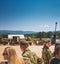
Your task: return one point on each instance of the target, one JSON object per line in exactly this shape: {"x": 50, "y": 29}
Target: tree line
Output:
{"x": 36, "y": 35}
{"x": 43, "y": 34}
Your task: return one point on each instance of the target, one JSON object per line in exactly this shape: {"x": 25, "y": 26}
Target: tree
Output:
{"x": 3, "y": 35}
{"x": 49, "y": 34}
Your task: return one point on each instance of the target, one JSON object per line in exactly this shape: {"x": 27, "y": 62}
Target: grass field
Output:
{"x": 34, "y": 48}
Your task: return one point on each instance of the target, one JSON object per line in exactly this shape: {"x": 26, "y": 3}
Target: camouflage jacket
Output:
{"x": 46, "y": 55}
{"x": 30, "y": 57}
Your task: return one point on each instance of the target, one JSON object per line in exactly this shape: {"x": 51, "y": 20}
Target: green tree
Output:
{"x": 3, "y": 35}
{"x": 49, "y": 34}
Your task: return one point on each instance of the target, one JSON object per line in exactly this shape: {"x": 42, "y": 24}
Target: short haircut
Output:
{"x": 23, "y": 43}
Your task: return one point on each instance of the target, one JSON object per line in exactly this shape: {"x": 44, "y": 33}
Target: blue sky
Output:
{"x": 29, "y": 15}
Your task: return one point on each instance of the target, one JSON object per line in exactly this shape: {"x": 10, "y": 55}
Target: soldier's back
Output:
{"x": 46, "y": 55}
{"x": 30, "y": 57}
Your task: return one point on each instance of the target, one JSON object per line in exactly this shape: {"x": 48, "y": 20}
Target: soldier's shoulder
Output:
{"x": 44, "y": 50}
{"x": 26, "y": 53}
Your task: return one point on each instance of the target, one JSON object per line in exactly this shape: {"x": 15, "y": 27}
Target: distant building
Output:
{"x": 12, "y": 35}
{"x": 15, "y": 37}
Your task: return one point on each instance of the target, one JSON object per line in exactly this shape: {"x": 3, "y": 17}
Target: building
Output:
{"x": 15, "y": 37}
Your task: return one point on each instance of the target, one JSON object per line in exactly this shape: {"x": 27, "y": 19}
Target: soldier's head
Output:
{"x": 23, "y": 45}
{"x": 47, "y": 43}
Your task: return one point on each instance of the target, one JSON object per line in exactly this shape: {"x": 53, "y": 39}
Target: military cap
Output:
{"x": 48, "y": 41}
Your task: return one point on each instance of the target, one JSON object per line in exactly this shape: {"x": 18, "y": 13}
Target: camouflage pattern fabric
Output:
{"x": 46, "y": 55}
{"x": 30, "y": 57}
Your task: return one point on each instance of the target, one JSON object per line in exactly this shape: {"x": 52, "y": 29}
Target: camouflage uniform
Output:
{"x": 30, "y": 57}
{"x": 46, "y": 55}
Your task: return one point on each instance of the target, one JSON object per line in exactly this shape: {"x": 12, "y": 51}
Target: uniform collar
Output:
{"x": 46, "y": 47}
{"x": 25, "y": 51}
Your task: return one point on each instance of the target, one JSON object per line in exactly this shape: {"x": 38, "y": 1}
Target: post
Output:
{"x": 55, "y": 31}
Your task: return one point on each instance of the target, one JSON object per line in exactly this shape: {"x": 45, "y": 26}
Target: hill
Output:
{"x": 16, "y": 32}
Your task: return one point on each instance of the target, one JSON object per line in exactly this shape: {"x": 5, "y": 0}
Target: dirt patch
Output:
{"x": 36, "y": 49}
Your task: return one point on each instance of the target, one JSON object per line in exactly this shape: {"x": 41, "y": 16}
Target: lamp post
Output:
{"x": 55, "y": 31}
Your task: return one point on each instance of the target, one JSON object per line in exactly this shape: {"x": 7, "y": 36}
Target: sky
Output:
{"x": 29, "y": 15}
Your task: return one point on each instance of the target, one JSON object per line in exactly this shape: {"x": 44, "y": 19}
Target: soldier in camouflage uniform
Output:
{"x": 57, "y": 43}
{"x": 46, "y": 53}
{"x": 29, "y": 56}
{"x": 56, "y": 58}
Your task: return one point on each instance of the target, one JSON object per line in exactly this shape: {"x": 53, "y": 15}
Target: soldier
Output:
{"x": 46, "y": 53}
{"x": 28, "y": 56}
{"x": 56, "y": 44}
{"x": 56, "y": 58}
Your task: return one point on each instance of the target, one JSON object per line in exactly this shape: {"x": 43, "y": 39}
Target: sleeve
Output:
{"x": 49, "y": 54}
{"x": 46, "y": 56}
{"x": 26, "y": 58}
{"x": 44, "y": 53}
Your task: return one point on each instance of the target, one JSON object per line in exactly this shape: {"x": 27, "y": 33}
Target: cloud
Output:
{"x": 47, "y": 27}
{"x": 44, "y": 26}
